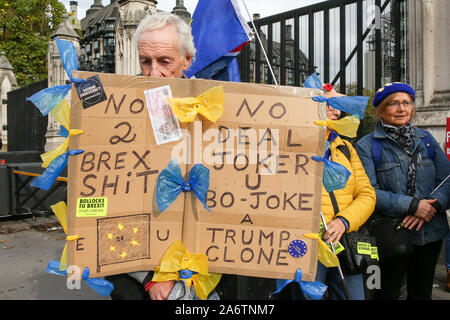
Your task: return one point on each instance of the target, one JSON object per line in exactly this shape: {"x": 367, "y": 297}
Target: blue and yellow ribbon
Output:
{"x": 60, "y": 211}
{"x": 179, "y": 264}
{"x": 62, "y": 114}
{"x": 313, "y": 289}
{"x": 355, "y": 105}
{"x": 46, "y": 179}
{"x": 52, "y": 100}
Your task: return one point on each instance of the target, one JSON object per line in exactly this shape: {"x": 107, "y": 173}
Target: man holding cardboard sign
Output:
{"x": 166, "y": 49}
{"x": 251, "y": 143}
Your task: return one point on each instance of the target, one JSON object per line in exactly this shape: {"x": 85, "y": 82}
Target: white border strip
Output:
{"x": 241, "y": 18}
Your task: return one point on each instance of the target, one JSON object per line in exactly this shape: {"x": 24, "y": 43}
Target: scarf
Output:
{"x": 404, "y": 136}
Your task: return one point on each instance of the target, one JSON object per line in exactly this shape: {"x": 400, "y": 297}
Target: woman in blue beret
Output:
{"x": 405, "y": 164}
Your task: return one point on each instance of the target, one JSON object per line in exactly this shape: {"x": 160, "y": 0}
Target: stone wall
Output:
{"x": 7, "y": 83}
{"x": 130, "y": 14}
{"x": 57, "y": 75}
{"x": 429, "y": 36}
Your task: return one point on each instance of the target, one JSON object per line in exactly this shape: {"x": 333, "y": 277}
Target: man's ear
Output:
{"x": 187, "y": 62}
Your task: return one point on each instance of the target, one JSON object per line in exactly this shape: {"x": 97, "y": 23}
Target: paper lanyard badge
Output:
{"x": 338, "y": 247}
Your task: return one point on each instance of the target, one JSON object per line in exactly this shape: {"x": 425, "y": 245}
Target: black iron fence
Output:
{"x": 26, "y": 125}
{"x": 17, "y": 197}
{"x": 352, "y": 44}
{"x": 22, "y": 163}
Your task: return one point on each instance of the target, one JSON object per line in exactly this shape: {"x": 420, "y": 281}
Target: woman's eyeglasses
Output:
{"x": 329, "y": 108}
{"x": 397, "y": 104}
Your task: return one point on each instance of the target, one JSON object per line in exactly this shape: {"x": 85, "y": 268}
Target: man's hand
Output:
{"x": 425, "y": 211}
{"x": 336, "y": 229}
{"x": 161, "y": 290}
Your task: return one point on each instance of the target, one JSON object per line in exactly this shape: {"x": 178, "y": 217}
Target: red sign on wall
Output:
{"x": 447, "y": 139}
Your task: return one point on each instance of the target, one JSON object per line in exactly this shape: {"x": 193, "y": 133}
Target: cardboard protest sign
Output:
{"x": 264, "y": 191}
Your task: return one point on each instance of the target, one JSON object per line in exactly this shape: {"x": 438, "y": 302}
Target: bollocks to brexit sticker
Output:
{"x": 92, "y": 207}
{"x": 90, "y": 91}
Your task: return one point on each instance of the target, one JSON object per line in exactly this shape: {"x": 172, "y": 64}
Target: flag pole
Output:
{"x": 260, "y": 42}
{"x": 440, "y": 185}
{"x": 343, "y": 282}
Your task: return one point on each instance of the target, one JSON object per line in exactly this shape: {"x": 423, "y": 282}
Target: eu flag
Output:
{"x": 220, "y": 32}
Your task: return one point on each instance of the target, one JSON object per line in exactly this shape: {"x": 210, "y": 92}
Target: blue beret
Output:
{"x": 390, "y": 88}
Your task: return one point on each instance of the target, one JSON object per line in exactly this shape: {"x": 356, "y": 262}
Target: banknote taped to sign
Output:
{"x": 264, "y": 190}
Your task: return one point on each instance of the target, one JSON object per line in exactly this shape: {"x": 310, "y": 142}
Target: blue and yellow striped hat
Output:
{"x": 390, "y": 88}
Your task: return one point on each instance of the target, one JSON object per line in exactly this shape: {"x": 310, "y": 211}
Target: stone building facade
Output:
{"x": 429, "y": 45}
{"x": 108, "y": 43}
{"x": 7, "y": 83}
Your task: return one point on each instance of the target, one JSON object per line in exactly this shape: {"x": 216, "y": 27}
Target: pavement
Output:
{"x": 27, "y": 245}
{"x": 440, "y": 278}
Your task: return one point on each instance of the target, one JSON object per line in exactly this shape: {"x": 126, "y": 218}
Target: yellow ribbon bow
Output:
{"x": 210, "y": 104}
{"x": 178, "y": 261}
{"x": 61, "y": 112}
{"x": 325, "y": 255}
{"x": 60, "y": 211}
{"x": 347, "y": 126}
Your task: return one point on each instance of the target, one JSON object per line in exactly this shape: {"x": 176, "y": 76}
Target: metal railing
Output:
{"x": 347, "y": 42}
{"x": 18, "y": 198}
{"x": 26, "y": 125}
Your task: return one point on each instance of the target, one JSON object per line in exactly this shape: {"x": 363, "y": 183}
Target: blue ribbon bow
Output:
{"x": 63, "y": 132}
{"x": 45, "y": 100}
{"x": 101, "y": 286}
{"x": 54, "y": 169}
{"x": 313, "y": 82}
{"x": 171, "y": 183}
{"x": 355, "y": 105}
{"x": 315, "y": 290}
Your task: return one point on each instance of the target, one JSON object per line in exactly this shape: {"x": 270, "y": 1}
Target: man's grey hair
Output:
{"x": 161, "y": 19}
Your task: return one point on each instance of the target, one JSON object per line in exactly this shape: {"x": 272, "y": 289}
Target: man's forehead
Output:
{"x": 167, "y": 34}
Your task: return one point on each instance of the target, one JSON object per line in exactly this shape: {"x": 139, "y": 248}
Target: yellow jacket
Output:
{"x": 357, "y": 200}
